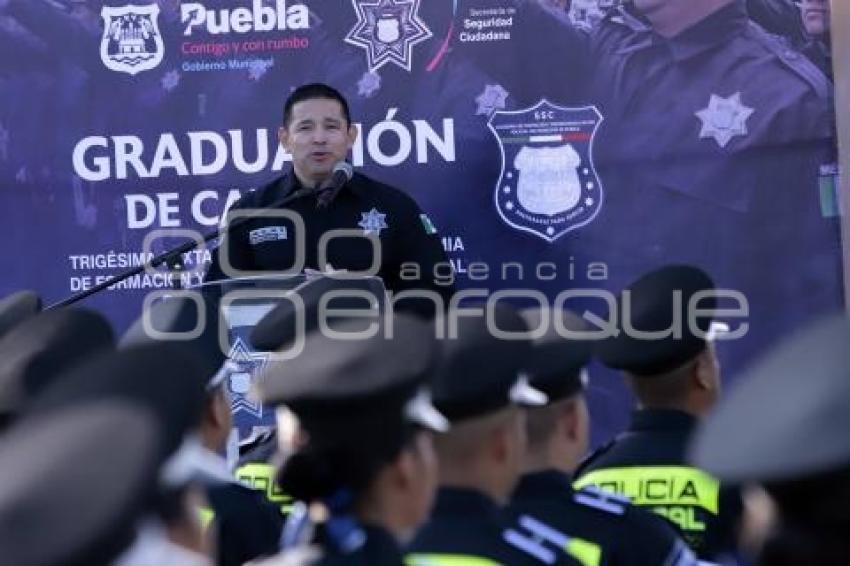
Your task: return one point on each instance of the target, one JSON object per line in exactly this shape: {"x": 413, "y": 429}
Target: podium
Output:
{"x": 242, "y": 304}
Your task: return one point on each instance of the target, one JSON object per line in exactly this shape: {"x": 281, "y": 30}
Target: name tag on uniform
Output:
{"x": 267, "y": 234}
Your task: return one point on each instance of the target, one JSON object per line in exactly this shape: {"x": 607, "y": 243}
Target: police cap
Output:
{"x": 16, "y": 308}
{"x": 45, "y": 346}
{"x": 189, "y": 317}
{"x": 559, "y": 357}
{"x": 75, "y": 482}
{"x": 789, "y": 414}
{"x": 656, "y": 302}
{"x": 358, "y": 379}
{"x": 481, "y": 367}
{"x": 167, "y": 378}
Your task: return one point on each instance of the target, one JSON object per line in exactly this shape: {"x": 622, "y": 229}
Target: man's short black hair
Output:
{"x": 310, "y": 92}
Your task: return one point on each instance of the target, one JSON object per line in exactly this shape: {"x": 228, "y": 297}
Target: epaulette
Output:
{"x": 792, "y": 59}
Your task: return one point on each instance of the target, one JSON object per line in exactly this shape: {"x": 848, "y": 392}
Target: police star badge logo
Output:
{"x": 131, "y": 41}
{"x": 548, "y": 185}
{"x": 373, "y": 222}
{"x": 243, "y": 365}
{"x": 388, "y": 30}
{"x": 724, "y": 119}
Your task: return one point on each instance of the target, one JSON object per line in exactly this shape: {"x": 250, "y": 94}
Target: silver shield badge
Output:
{"x": 548, "y": 185}
{"x": 131, "y": 41}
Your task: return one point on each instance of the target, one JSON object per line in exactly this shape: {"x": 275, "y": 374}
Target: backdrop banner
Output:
{"x": 560, "y": 150}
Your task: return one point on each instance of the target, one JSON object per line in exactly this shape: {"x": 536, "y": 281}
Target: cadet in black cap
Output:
{"x": 600, "y": 528}
{"x": 16, "y": 308}
{"x": 60, "y": 503}
{"x": 785, "y": 425}
{"x": 677, "y": 382}
{"x": 365, "y": 454}
{"x": 278, "y": 330}
{"x": 244, "y": 525}
{"x": 480, "y": 388}
{"x": 169, "y": 380}
{"x": 42, "y": 348}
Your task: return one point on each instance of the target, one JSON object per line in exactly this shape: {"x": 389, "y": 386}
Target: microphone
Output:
{"x": 342, "y": 173}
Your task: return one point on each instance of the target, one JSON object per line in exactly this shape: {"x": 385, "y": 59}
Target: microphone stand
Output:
{"x": 173, "y": 258}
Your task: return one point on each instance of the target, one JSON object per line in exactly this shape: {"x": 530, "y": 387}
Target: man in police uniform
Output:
{"x": 797, "y": 447}
{"x": 676, "y": 382}
{"x": 479, "y": 387}
{"x": 602, "y": 528}
{"x": 318, "y": 133}
{"x": 167, "y": 380}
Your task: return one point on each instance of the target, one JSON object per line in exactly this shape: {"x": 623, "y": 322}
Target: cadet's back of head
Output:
{"x": 558, "y": 433}
{"x": 364, "y": 421}
{"x": 663, "y": 345}
{"x": 480, "y": 387}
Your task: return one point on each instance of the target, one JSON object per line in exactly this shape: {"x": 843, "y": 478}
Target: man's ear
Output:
{"x": 220, "y": 409}
{"x": 352, "y": 135}
{"x": 283, "y": 137}
{"x": 568, "y": 421}
{"x": 704, "y": 370}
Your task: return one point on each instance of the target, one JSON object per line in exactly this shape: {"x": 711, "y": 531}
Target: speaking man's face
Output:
{"x": 317, "y": 136}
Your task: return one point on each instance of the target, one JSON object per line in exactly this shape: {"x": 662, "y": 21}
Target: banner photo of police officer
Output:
{"x": 554, "y": 145}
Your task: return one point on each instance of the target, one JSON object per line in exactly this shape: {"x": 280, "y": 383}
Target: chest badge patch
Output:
{"x": 373, "y": 222}
{"x": 724, "y": 119}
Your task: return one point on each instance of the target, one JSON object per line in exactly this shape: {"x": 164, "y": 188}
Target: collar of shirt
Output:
{"x": 463, "y": 501}
{"x": 289, "y": 183}
{"x": 543, "y": 484}
{"x": 212, "y": 468}
{"x": 662, "y": 420}
{"x": 380, "y": 544}
{"x": 716, "y": 29}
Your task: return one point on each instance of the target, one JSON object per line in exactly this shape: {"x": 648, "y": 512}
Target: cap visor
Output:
{"x": 523, "y": 394}
{"x": 422, "y": 412}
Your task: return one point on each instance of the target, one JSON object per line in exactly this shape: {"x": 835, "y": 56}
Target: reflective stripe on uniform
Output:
{"x": 586, "y": 552}
{"x": 447, "y": 560}
{"x": 658, "y": 485}
{"x": 261, "y": 476}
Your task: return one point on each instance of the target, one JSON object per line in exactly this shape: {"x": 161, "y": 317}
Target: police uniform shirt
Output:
{"x": 721, "y": 130}
{"x": 708, "y": 140}
{"x": 466, "y": 525}
{"x": 364, "y": 205}
{"x": 648, "y": 464}
{"x": 602, "y": 528}
{"x": 246, "y": 525}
